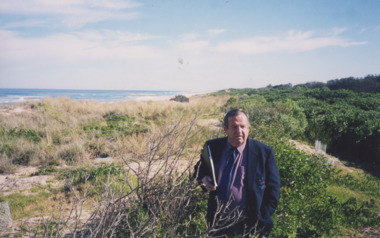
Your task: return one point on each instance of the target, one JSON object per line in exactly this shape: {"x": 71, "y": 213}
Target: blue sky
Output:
{"x": 191, "y": 45}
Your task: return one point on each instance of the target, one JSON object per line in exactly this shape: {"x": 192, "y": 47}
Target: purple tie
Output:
{"x": 227, "y": 176}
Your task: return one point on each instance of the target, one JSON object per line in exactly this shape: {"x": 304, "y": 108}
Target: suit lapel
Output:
{"x": 217, "y": 147}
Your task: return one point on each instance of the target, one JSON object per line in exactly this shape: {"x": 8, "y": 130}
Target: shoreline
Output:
{"x": 7, "y": 109}
{"x": 23, "y": 99}
{"x": 19, "y": 103}
{"x": 165, "y": 97}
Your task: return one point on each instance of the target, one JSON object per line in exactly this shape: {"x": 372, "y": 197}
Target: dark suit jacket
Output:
{"x": 262, "y": 180}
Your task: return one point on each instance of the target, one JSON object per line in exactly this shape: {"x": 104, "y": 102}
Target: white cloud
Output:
{"x": 215, "y": 32}
{"x": 141, "y": 60}
{"x": 189, "y": 36}
{"x": 117, "y": 37}
{"x": 84, "y": 17}
{"x": 28, "y": 23}
{"x": 49, "y": 7}
{"x": 78, "y": 47}
{"x": 293, "y": 42}
{"x": 338, "y": 30}
{"x": 70, "y": 13}
{"x": 115, "y": 4}
{"x": 192, "y": 46}
{"x": 190, "y": 43}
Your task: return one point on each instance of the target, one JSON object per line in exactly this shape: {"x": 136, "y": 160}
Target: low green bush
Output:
{"x": 305, "y": 208}
{"x": 46, "y": 170}
{"x": 180, "y": 98}
{"x": 29, "y": 134}
{"x": 112, "y": 125}
{"x": 83, "y": 174}
{"x": 94, "y": 179}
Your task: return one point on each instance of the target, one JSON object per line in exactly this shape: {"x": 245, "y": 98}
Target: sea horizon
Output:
{"x": 21, "y": 95}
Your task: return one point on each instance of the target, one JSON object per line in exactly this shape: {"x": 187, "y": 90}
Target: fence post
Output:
{"x": 5, "y": 216}
{"x": 320, "y": 147}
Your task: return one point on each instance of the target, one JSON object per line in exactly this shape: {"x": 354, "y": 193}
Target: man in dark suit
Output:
{"x": 246, "y": 191}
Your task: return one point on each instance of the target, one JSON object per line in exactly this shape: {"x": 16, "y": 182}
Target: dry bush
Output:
{"x": 163, "y": 200}
{"x": 24, "y": 152}
{"x": 6, "y": 165}
{"x": 157, "y": 196}
{"x": 70, "y": 153}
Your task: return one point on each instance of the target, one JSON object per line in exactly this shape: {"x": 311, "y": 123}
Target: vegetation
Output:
{"x": 347, "y": 121}
{"x": 308, "y": 208}
{"x": 148, "y": 192}
{"x": 23, "y": 206}
{"x": 180, "y": 98}
{"x": 61, "y": 131}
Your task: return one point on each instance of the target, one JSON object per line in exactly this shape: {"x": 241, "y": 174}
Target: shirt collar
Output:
{"x": 240, "y": 148}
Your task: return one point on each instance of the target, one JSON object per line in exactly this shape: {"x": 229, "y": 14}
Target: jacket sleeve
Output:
{"x": 202, "y": 167}
{"x": 272, "y": 189}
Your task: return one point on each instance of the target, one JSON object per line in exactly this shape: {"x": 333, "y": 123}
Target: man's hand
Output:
{"x": 208, "y": 184}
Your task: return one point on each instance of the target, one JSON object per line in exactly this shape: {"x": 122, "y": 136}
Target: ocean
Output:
{"x": 12, "y": 95}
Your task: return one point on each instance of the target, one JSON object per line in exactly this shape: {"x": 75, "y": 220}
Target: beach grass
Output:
{"x": 58, "y": 131}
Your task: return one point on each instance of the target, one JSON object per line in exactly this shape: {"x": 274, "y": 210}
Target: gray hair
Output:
{"x": 232, "y": 113}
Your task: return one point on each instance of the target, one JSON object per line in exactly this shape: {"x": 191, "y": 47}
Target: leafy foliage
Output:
{"x": 91, "y": 174}
{"x": 180, "y": 98}
{"x": 46, "y": 170}
{"x": 114, "y": 124}
{"x": 306, "y": 209}
{"x": 279, "y": 119}
{"x": 370, "y": 84}
{"x": 28, "y": 134}
{"x": 347, "y": 121}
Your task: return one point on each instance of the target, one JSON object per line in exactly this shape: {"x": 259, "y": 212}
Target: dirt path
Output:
{"x": 312, "y": 151}
{"x": 23, "y": 182}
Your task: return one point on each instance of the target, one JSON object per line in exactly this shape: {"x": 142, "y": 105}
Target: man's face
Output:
{"x": 238, "y": 129}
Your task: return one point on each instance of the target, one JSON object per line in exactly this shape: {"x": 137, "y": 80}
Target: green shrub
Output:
{"x": 94, "y": 178}
{"x": 347, "y": 121}
{"x": 6, "y": 149}
{"x": 84, "y": 174}
{"x": 180, "y": 98}
{"x": 112, "y": 124}
{"x": 29, "y": 134}
{"x": 279, "y": 119}
{"x": 45, "y": 170}
{"x": 305, "y": 208}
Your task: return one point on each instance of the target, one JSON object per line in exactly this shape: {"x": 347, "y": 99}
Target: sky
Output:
{"x": 185, "y": 45}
